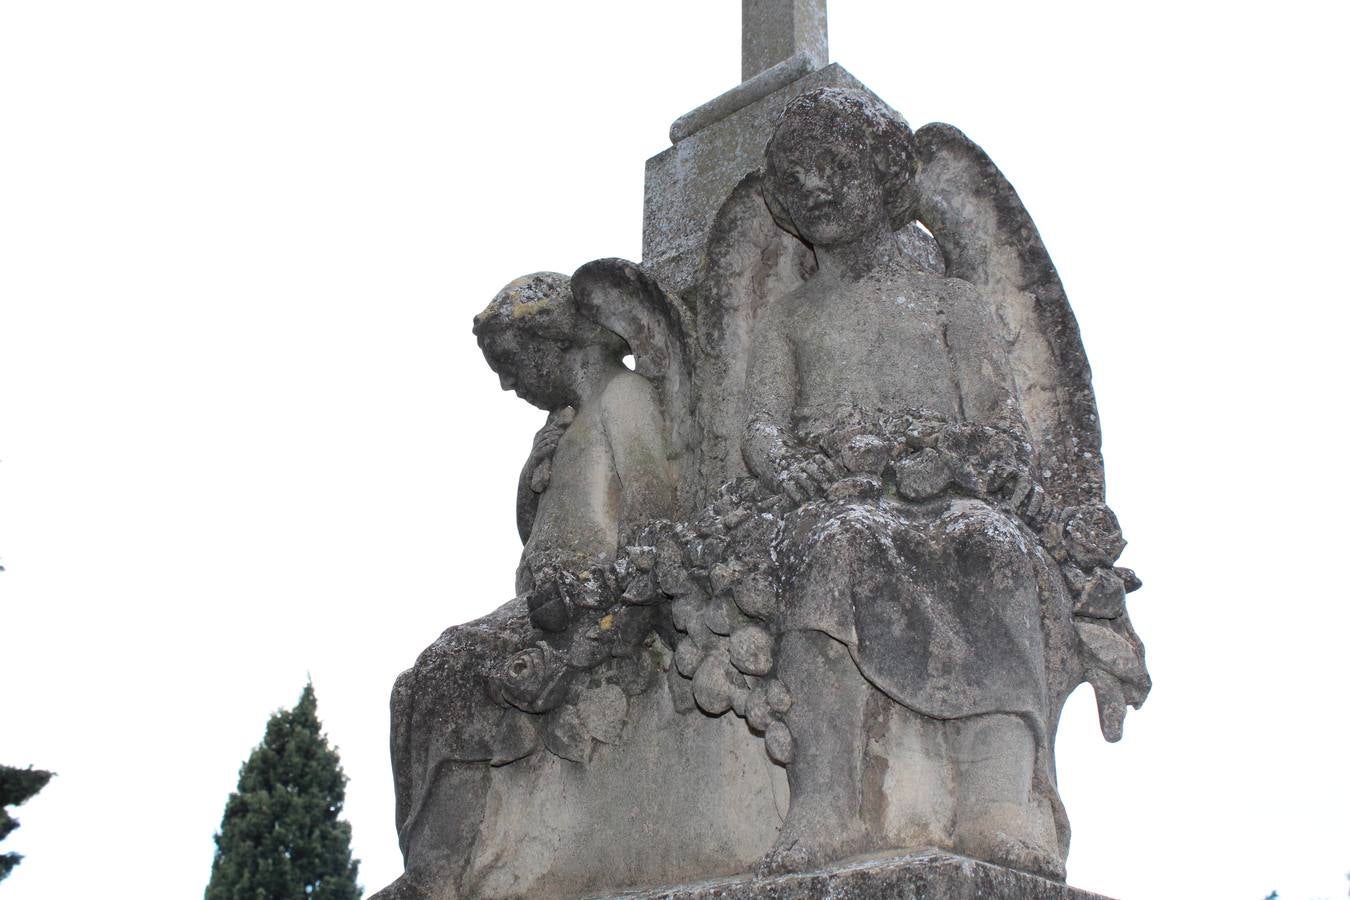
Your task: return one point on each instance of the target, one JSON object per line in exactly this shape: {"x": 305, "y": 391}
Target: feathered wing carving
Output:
{"x": 748, "y": 263}
{"x": 989, "y": 240}
{"x": 658, "y": 327}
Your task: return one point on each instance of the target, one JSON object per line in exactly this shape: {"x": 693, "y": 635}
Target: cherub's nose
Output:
{"x": 810, "y": 181}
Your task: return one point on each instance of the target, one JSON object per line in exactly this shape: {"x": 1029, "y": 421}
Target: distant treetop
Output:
{"x": 280, "y": 837}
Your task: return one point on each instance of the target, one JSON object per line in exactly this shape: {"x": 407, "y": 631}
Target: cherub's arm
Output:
{"x": 770, "y": 449}
{"x": 991, "y": 451}
{"x": 538, "y": 469}
{"x": 636, "y": 429}
{"x": 980, "y": 361}
{"x": 770, "y": 393}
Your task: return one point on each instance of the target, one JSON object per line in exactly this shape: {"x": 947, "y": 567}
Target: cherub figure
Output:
{"x": 915, "y": 599}
{"x": 599, "y": 464}
{"x": 601, "y": 460}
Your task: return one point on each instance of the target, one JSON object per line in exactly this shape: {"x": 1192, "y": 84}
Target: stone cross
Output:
{"x": 775, "y": 30}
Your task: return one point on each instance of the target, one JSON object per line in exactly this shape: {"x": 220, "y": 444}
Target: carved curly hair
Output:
{"x": 859, "y": 119}
{"x": 542, "y": 305}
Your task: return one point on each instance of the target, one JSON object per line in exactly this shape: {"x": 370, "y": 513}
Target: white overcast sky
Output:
{"x": 248, "y": 437}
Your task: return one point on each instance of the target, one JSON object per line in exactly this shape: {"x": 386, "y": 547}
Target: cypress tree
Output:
{"x": 280, "y": 838}
{"x": 16, "y": 786}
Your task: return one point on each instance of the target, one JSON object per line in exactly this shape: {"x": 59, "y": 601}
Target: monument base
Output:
{"x": 918, "y": 875}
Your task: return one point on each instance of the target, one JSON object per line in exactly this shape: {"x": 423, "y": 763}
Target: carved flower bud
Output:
{"x": 921, "y": 475}
{"x": 716, "y": 619}
{"x": 640, "y": 590}
{"x": 1130, "y": 579}
{"x": 771, "y": 504}
{"x": 591, "y": 589}
{"x": 630, "y": 627}
{"x": 672, "y": 577}
{"x": 865, "y": 453}
{"x": 1103, "y": 596}
{"x": 780, "y": 701}
{"x": 706, "y": 553}
{"x": 752, "y": 650}
{"x": 756, "y": 596}
{"x": 686, "y": 612}
{"x": 588, "y": 649}
{"x": 740, "y": 696}
{"x": 924, "y": 432}
{"x": 549, "y": 609}
{"x": 712, "y": 685}
{"x": 1074, "y": 577}
{"x": 687, "y": 657}
{"x": 723, "y": 576}
{"x": 1093, "y": 536}
{"x": 532, "y": 679}
{"x": 735, "y": 517}
{"x": 778, "y": 743}
{"x": 757, "y": 712}
{"x": 863, "y": 486}
{"x": 1104, "y": 648}
{"x": 642, "y": 558}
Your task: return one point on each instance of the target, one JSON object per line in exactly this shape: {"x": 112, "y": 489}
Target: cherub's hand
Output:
{"x": 808, "y": 477}
{"x": 783, "y": 463}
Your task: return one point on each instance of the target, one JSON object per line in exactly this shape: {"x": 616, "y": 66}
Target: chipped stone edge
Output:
{"x": 777, "y": 76}
{"x": 935, "y": 872}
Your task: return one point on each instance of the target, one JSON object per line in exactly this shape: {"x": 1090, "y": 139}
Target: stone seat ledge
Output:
{"x": 914, "y": 875}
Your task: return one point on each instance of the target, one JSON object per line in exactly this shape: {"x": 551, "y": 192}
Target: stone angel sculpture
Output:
{"x": 917, "y": 402}
{"x": 527, "y": 727}
{"x": 850, "y": 493}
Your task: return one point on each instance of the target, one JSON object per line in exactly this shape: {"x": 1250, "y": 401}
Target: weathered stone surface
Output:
{"x": 680, "y": 796}
{"x": 769, "y": 81}
{"x": 921, "y": 875}
{"x": 774, "y": 30}
{"x": 752, "y": 650}
{"x": 815, "y": 577}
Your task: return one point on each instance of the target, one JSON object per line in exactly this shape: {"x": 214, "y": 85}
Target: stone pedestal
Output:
{"x": 921, "y": 875}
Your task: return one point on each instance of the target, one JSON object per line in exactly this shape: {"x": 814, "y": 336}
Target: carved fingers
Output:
{"x": 540, "y": 464}
{"x": 809, "y": 478}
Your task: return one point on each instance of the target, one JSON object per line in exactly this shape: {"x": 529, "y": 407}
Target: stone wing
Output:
{"x": 988, "y": 239}
{"x": 748, "y": 263}
{"x": 626, "y": 299}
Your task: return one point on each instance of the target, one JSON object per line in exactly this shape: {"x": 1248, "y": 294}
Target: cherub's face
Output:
{"x": 533, "y": 367}
{"x": 828, "y": 187}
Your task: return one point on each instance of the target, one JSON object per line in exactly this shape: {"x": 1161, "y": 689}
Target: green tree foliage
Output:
{"x": 280, "y": 838}
{"x": 16, "y": 786}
